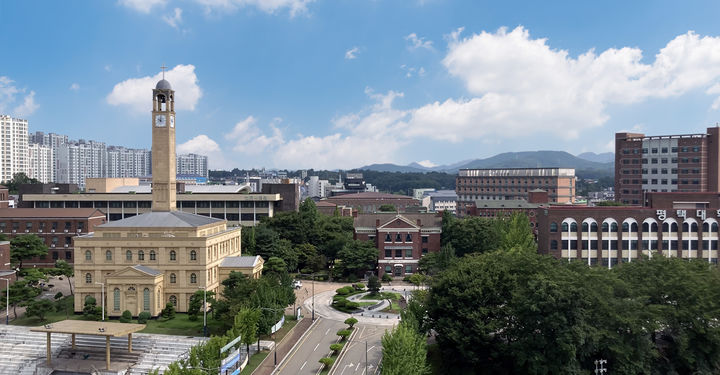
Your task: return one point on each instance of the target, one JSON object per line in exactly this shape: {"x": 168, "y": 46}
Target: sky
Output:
{"x": 338, "y": 84}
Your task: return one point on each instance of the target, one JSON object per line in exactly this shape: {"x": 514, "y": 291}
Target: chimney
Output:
{"x": 377, "y": 223}
{"x": 418, "y": 222}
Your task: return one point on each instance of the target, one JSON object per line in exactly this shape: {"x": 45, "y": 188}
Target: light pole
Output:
{"x": 273, "y": 334}
{"x": 7, "y": 302}
{"x": 102, "y": 298}
{"x": 204, "y": 310}
{"x": 312, "y": 279}
{"x": 366, "y": 352}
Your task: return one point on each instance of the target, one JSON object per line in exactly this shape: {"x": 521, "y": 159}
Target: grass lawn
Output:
{"x": 254, "y": 362}
{"x": 394, "y": 308}
{"x": 181, "y": 325}
{"x": 363, "y": 304}
{"x": 65, "y": 305}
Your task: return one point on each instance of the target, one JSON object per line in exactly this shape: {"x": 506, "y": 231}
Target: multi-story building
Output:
{"x": 513, "y": 184}
{"x": 192, "y": 165}
{"x": 317, "y": 188}
{"x": 127, "y": 162}
{"x": 41, "y": 163}
{"x": 369, "y": 202}
{"x": 55, "y": 226}
{"x": 80, "y": 160}
{"x": 676, "y": 224}
{"x": 13, "y": 147}
{"x": 683, "y": 163}
{"x": 441, "y": 200}
{"x": 401, "y": 239}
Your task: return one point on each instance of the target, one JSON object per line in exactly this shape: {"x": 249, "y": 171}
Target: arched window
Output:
{"x": 605, "y": 227}
{"x": 173, "y": 255}
{"x": 666, "y": 227}
{"x": 193, "y": 255}
{"x": 141, "y": 255}
{"x": 88, "y": 278}
{"x": 408, "y": 237}
{"x": 646, "y": 227}
{"x": 398, "y": 238}
{"x": 152, "y": 254}
{"x": 673, "y": 227}
{"x": 693, "y": 227}
{"x": 633, "y": 228}
{"x": 158, "y": 299}
{"x": 706, "y": 227}
{"x": 564, "y": 227}
{"x": 193, "y": 278}
{"x": 173, "y": 278}
{"x": 88, "y": 255}
{"x": 626, "y": 227}
{"x": 654, "y": 227}
{"x": 613, "y": 227}
{"x": 553, "y": 244}
{"x": 686, "y": 227}
{"x": 585, "y": 227}
{"x": 553, "y": 227}
{"x": 387, "y": 238}
{"x": 714, "y": 227}
{"x": 593, "y": 227}
{"x": 108, "y": 255}
{"x": 128, "y": 255}
{"x": 573, "y": 227}
{"x": 173, "y": 300}
{"x": 146, "y": 299}
{"x": 116, "y": 299}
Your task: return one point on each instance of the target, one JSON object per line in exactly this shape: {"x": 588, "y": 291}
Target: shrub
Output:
{"x": 126, "y": 317}
{"x": 351, "y": 322}
{"x": 58, "y": 295}
{"x": 359, "y": 286}
{"x": 143, "y": 317}
{"x": 352, "y": 278}
{"x": 344, "y": 333}
{"x": 373, "y": 284}
{"x": 336, "y": 347}
{"x": 352, "y": 305}
{"x": 386, "y": 277}
{"x": 341, "y": 291}
{"x": 328, "y": 362}
{"x": 168, "y": 312}
{"x": 341, "y": 302}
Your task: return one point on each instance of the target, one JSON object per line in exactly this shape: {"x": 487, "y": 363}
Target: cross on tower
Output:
{"x": 163, "y": 67}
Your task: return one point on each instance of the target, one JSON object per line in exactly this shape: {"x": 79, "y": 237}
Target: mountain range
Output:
{"x": 587, "y": 164}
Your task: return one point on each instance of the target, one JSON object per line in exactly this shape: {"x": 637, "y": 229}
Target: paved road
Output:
{"x": 315, "y": 345}
{"x": 353, "y": 359}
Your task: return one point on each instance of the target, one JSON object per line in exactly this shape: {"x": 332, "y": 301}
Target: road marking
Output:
{"x": 304, "y": 363}
{"x": 295, "y": 347}
{"x": 328, "y": 331}
{"x": 316, "y": 346}
{"x": 357, "y": 367}
{"x": 371, "y": 348}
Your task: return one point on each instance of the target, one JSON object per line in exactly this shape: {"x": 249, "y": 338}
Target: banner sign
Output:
{"x": 230, "y": 345}
{"x": 278, "y": 325}
{"x": 230, "y": 361}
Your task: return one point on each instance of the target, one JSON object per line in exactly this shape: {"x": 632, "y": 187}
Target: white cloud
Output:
{"x": 142, "y": 6}
{"x": 134, "y": 92}
{"x": 351, "y": 53}
{"x": 174, "y": 19}
{"x": 294, "y": 7}
{"x": 418, "y": 42}
{"x": 411, "y": 70}
{"x": 107, "y": 68}
{"x": 74, "y": 87}
{"x": 427, "y": 164}
{"x": 249, "y": 139}
{"x": 14, "y": 101}
{"x": 204, "y": 145}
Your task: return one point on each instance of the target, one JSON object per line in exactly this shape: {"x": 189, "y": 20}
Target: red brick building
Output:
{"x": 402, "y": 239}
{"x": 368, "y": 202}
{"x": 675, "y": 224}
{"x": 56, "y": 226}
{"x": 668, "y": 163}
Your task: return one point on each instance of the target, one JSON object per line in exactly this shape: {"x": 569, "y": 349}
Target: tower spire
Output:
{"x": 163, "y": 67}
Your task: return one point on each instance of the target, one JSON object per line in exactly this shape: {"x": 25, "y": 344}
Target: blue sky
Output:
{"x": 341, "y": 83}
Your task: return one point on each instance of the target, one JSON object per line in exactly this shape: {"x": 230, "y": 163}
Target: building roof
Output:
{"x": 241, "y": 261}
{"x": 147, "y": 270}
{"x": 163, "y": 84}
{"x": 49, "y": 213}
{"x": 369, "y": 220}
{"x": 169, "y": 219}
{"x": 325, "y": 204}
{"x": 84, "y": 327}
{"x": 368, "y": 195}
{"x": 441, "y": 193}
{"x": 146, "y": 189}
{"x": 510, "y": 203}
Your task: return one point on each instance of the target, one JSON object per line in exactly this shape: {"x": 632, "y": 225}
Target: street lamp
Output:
{"x": 366, "y": 352}
{"x": 7, "y": 302}
{"x": 204, "y": 310}
{"x": 312, "y": 279}
{"x": 102, "y": 297}
{"x": 273, "y": 334}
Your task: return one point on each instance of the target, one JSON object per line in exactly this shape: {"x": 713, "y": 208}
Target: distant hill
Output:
{"x": 527, "y": 159}
{"x": 605, "y": 157}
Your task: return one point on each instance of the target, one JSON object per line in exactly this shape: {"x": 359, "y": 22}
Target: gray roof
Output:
{"x": 146, "y": 189}
{"x": 163, "y": 85}
{"x": 170, "y": 219}
{"x": 427, "y": 220}
{"x": 240, "y": 262}
{"x": 147, "y": 270}
{"x": 509, "y": 203}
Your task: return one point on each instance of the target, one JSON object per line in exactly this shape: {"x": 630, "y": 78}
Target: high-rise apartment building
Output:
{"x": 127, "y": 162}
{"x": 192, "y": 164}
{"x": 13, "y": 147}
{"x": 80, "y": 160}
{"x": 513, "y": 184}
{"x": 41, "y": 163}
{"x": 668, "y": 163}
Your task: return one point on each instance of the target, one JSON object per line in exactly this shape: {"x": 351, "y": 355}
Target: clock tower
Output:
{"x": 163, "y": 147}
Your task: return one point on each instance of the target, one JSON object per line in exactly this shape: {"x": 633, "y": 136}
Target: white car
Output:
{"x": 297, "y": 284}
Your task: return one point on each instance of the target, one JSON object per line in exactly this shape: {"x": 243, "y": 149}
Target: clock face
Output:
{"x": 172, "y": 121}
{"x": 160, "y": 120}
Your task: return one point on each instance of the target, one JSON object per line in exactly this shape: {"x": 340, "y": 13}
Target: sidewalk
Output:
{"x": 283, "y": 347}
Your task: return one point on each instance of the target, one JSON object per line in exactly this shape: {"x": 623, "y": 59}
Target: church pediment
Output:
{"x": 399, "y": 222}
{"x": 135, "y": 272}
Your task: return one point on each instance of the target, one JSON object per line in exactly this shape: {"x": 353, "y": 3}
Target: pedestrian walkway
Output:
{"x": 284, "y": 347}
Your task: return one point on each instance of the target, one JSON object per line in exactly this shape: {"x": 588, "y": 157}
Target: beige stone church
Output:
{"x": 162, "y": 256}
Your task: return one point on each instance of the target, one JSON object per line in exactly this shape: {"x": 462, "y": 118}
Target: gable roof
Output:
{"x": 401, "y": 220}
{"x": 169, "y": 219}
{"x": 50, "y": 213}
{"x": 147, "y": 270}
{"x": 241, "y": 261}
{"x": 427, "y": 220}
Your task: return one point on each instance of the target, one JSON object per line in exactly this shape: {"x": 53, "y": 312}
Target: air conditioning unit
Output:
{"x": 79, "y": 230}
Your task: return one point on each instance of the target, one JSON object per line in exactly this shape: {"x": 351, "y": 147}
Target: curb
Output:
{"x": 291, "y": 349}
{"x": 342, "y": 352}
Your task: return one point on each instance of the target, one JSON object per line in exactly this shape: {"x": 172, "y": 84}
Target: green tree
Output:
{"x": 248, "y": 240}
{"x": 404, "y": 351}
{"x": 26, "y": 246}
{"x": 38, "y": 308}
{"x": 246, "y": 325}
{"x": 63, "y": 268}
{"x": 373, "y": 285}
{"x": 275, "y": 265}
{"x": 17, "y": 180}
{"x": 309, "y": 258}
{"x": 357, "y": 257}
{"x": 351, "y": 322}
{"x": 434, "y": 263}
{"x": 168, "y": 312}
{"x": 126, "y": 317}
{"x": 196, "y": 303}
{"x": 387, "y": 208}
{"x": 91, "y": 311}
{"x": 20, "y": 294}
{"x": 516, "y": 234}
{"x": 472, "y": 235}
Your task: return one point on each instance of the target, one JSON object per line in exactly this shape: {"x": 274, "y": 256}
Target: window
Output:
{"x": 398, "y": 238}
{"x": 424, "y": 250}
{"x": 80, "y": 226}
{"x": 173, "y": 255}
{"x": 88, "y": 255}
{"x": 88, "y": 278}
{"x": 128, "y": 255}
{"x": 108, "y": 255}
{"x": 387, "y": 238}
{"x": 55, "y": 255}
{"x": 193, "y": 278}
{"x": 553, "y": 245}
{"x": 116, "y": 299}
{"x": 388, "y": 253}
{"x": 398, "y": 253}
{"x": 146, "y": 299}
{"x": 605, "y": 227}
{"x": 408, "y": 269}
{"x": 585, "y": 227}
{"x": 152, "y": 254}
{"x": 173, "y": 300}
{"x": 388, "y": 269}
{"x": 593, "y": 227}
{"x": 141, "y": 255}
{"x": 193, "y": 255}
{"x": 173, "y": 278}
{"x": 664, "y": 150}
{"x": 408, "y": 237}
{"x": 68, "y": 255}
{"x": 564, "y": 227}
{"x": 654, "y": 150}
{"x": 573, "y": 227}
{"x": 424, "y": 239}
{"x": 408, "y": 253}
